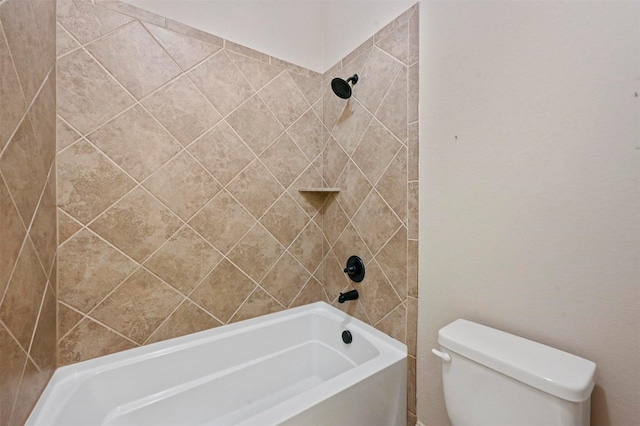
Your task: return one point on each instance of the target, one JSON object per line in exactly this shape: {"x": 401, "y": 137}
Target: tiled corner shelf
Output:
{"x": 319, "y": 190}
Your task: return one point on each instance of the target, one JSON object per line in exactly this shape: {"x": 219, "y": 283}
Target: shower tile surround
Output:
{"x": 179, "y": 158}
{"x": 27, "y": 205}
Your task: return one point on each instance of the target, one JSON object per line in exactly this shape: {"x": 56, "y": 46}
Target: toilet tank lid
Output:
{"x": 548, "y": 369}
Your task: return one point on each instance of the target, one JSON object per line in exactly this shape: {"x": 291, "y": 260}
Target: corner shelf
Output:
{"x": 319, "y": 190}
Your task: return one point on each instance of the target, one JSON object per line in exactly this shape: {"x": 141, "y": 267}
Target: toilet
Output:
{"x": 493, "y": 378}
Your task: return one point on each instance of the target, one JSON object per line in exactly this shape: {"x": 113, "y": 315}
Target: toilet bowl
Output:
{"x": 494, "y": 378}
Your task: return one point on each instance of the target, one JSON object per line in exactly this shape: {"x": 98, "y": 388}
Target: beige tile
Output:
{"x": 67, "y": 318}
{"x": 257, "y": 72}
{"x": 412, "y": 210}
{"x": 414, "y": 38}
{"x": 136, "y": 142}
{"x": 349, "y": 244}
{"x": 413, "y": 142}
{"x": 246, "y": 51}
{"x": 291, "y": 67}
{"x": 307, "y": 248}
{"x": 138, "y": 306}
{"x": 222, "y": 152}
{"x": 351, "y": 125}
{"x": 307, "y": 133}
{"x": 393, "y": 111}
{"x": 19, "y": 309}
{"x": 87, "y": 21}
{"x": 223, "y": 291}
{"x": 133, "y": 11}
{"x": 13, "y": 103}
{"x": 377, "y": 294}
{"x": 193, "y": 33}
{"x": 392, "y": 258}
{"x": 376, "y": 222}
{"x": 65, "y": 43}
{"x": 335, "y": 280}
{"x": 285, "y": 220}
{"x": 395, "y": 24}
{"x": 284, "y": 98}
{"x": 353, "y": 308}
{"x": 187, "y": 319}
{"x": 135, "y": 59}
{"x": 411, "y": 384}
{"x": 255, "y": 124}
{"x": 88, "y": 269}
{"x": 412, "y": 268}
{"x": 32, "y": 385}
{"x": 258, "y": 304}
{"x": 334, "y": 159}
{"x": 90, "y": 340}
{"x": 184, "y": 260}
{"x": 311, "y": 88}
{"x": 43, "y": 119}
{"x": 356, "y": 66}
{"x": 87, "y": 96}
{"x": 412, "y": 325}
{"x": 332, "y": 106}
{"x": 44, "y": 12}
{"x": 65, "y": 135}
{"x": 396, "y": 43}
{"x": 12, "y": 362}
{"x": 285, "y": 160}
{"x": 377, "y": 76}
{"x": 43, "y": 227}
{"x": 88, "y": 183}
{"x": 334, "y": 218}
{"x": 394, "y": 324}
{"x": 413, "y": 93}
{"x": 67, "y": 226}
{"x": 23, "y": 37}
{"x": 44, "y": 347}
{"x": 285, "y": 280}
{"x": 182, "y": 110}
{"x": 12, "y": 232}
{"x": 354, "y": 188}
{"x": 223, "y": 221}
{"x": 311, "y": 202}
{"x": 186, "y": 51}
{"x": 22, "y": 167}
{"x": 137, "y": 224}
{"x": 256, "y": 252}
{"x": 220, "y": 81}
{"x": 376, "y": 150}
{"x": 255, "y": 188}
{"x": 312, "y": 292}
{"x": 183, "y": 185}
{"x": 392, "y": 186}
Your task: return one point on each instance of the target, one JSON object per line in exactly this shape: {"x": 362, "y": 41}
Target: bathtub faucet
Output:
{"x": 350, "y": 295}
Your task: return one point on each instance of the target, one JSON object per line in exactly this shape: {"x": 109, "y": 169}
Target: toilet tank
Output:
{"x": 494, "y": 378}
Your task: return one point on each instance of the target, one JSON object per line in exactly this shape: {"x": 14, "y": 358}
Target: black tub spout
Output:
{"x": 350, "y": 295}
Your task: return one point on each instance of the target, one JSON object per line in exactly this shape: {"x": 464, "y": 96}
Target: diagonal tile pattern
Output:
{"x": 179, "y": 172}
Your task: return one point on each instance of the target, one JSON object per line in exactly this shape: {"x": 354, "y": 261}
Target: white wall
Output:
{"x": 530, "y": 185}
{"x": 315, "y": 34}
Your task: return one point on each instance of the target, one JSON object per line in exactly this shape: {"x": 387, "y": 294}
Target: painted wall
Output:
{"x": 27, "y": 205}
{"x": 314, "y": 34}
{"x": 530, "y": 197}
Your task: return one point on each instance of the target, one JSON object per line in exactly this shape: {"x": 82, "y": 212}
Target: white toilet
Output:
{"x": 492, "y": 378}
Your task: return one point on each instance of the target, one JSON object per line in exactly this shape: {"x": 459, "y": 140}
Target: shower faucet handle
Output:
{"x": 355, "y": 269}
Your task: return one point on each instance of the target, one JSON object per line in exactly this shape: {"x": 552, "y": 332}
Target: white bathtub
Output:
{"x": 290, "y": 367}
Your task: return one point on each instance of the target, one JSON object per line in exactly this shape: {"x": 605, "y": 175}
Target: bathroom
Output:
{"x": 528, "y": 221}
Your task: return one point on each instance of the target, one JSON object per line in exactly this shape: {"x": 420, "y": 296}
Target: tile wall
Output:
{"x": 27, "y": 205}
{"x": 180, "y": 156}
{"x": 371, "y": 154}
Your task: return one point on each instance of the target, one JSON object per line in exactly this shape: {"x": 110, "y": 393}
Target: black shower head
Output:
{"x": 341, "y": 88}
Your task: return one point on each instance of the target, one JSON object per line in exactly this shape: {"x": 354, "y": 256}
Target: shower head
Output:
{"x": 341, "y": 88}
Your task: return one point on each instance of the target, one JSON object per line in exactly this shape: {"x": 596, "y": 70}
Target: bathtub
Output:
{"x": 290, "y": 367}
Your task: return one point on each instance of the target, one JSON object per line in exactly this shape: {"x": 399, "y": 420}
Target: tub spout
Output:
{"x": 350, "y": 295}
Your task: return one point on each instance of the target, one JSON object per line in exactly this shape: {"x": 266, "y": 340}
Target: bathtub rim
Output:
{"x": 390, "y": 350}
